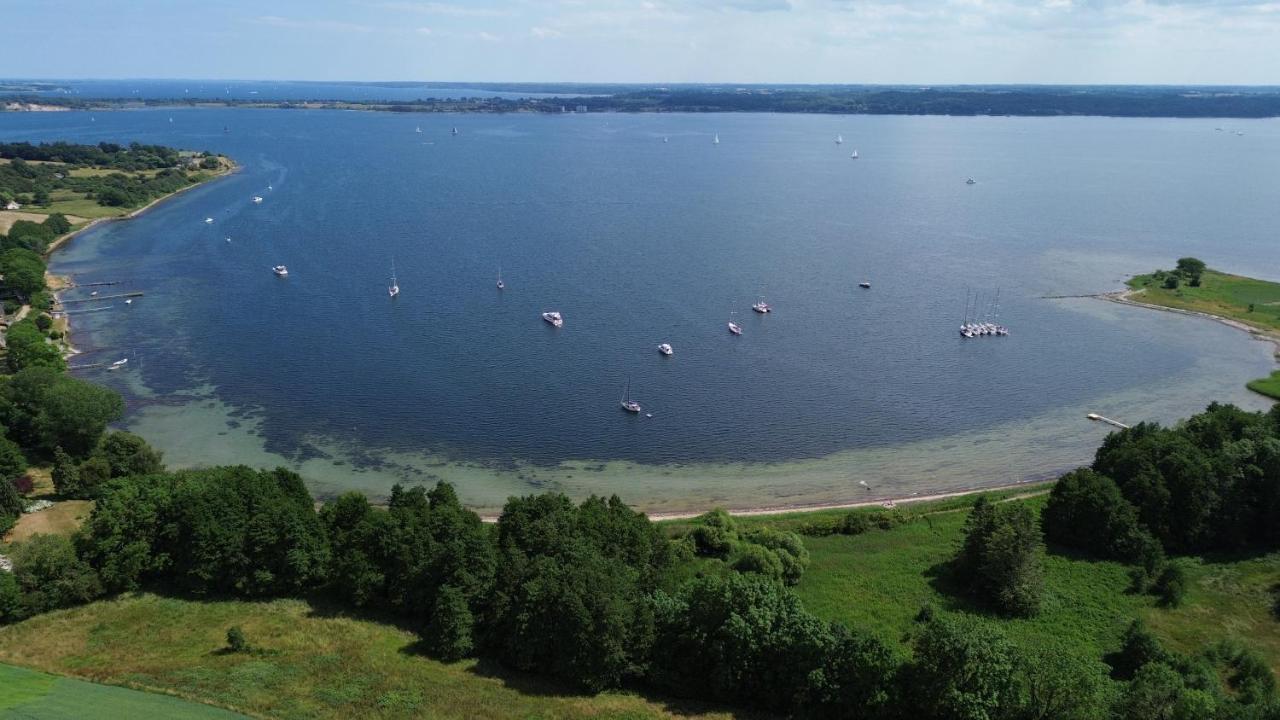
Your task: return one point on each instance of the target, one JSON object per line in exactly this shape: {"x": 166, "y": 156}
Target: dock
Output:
{"x": 100, "y": 298}
{"x": 1098, "y": 418}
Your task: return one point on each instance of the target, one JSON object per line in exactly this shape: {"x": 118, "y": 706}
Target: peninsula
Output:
{"x": 1191, "y": 287}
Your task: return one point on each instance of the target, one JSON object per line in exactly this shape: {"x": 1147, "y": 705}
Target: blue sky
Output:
{"x": 844, "y": 41}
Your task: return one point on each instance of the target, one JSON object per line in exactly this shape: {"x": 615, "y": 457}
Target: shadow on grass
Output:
{"x": 942, "y": 578}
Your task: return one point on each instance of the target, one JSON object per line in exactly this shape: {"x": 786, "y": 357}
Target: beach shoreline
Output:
{"x": 1125, "y": 297}
{"x": 57, "y": 284}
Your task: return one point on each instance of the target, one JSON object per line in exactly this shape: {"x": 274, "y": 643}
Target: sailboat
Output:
{"x": 455, "y": 130}
{"x": 717, "y": 140}
{"x": 854, "y": 155}
{"x": 665, "y": 139}
{"x": 394, "y": 288}
{"x": 501, "y": 284}
{"x": 761, "y": 306}
{"x": 626, "y": 402}
{"x": 839, "y": 139}
{"x": 418, "y": 129}
{"x": 733, "y": 326}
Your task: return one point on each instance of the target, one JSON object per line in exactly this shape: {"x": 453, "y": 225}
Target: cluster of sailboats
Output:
{"x": 981, "y": 315}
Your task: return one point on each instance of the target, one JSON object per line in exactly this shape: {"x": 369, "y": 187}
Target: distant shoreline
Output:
{"x": 560, "y": 98}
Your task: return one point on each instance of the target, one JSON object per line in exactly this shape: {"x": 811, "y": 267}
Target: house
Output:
{"x": 13, "y": 205}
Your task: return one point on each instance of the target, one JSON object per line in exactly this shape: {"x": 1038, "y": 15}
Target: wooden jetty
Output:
{"x": 100, "y": 298}
{"x": 1098, "y": 418}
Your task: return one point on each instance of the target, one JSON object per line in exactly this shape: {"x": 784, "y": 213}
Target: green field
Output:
{"x": 34, "y": 695}
{"x": 1220, "y": 294}
{"x": 312, "y": 663}
{"x": 318, "y": 663}
{"x": 1269, "y": 386}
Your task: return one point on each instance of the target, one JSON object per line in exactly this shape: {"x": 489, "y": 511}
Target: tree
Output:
{"x": 65, "y": 475}
{"x": 1191, "y": 268}
{"x": 1087, "y": 511}
{"x": 715, "y": 535}
{"x": 1060, "y": 685}
{"x": 12, "y": 462}
{"x": 11, "y": 608}
{"x": 449, "y": 631}
{"x": 11, "y": 505}
{"x": 50, "y": 574}
{"x": 128, "y": 454}
{"x": 1155, "y": 694}
{"x": 962, "y": 670}
{"x": 28, "y": 347}
{"x": 23, "y": 271}
{"x": 58, "y": 223}
{"x": 1001, "y": 559}
{"x": 1138, "y": 647}
{"x": 74, "y": 414}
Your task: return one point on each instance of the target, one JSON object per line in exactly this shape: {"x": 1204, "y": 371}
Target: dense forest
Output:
{"x": 1037, "y": 101}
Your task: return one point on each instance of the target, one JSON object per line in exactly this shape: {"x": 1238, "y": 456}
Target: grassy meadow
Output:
{"x": 1250, "y": 301}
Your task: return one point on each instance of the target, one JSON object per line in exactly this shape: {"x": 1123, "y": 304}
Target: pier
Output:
{"x": 1098, "y": 418}
{"x": 101, "y": 298}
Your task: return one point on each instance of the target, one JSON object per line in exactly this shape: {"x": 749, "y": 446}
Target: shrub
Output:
{"x": 1138, "y": 647}
{"x": 44, "y": 322}
{"x": 1171, "y": 586}
{"x": 12, "y": 462}
{"x": 11, "y": 609}
{"x": 236, "y": 641}
{"x": 715, "y": 535}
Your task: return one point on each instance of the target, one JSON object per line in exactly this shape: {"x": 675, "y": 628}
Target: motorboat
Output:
{"x": 280, "y": 270}
{"x": 665, "y": 349}
{"x": 257, "y": 199}
{"x": 554, "y": 318}
{"x": 865, "y": 285}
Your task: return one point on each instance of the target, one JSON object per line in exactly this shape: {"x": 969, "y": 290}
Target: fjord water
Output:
{"x": 639, "y": 241}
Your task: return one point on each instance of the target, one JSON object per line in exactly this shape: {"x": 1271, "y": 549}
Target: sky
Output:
{"x": 652, "y": 41}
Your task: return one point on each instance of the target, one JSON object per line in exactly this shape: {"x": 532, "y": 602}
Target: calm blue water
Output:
{"x": 638, "y": 242}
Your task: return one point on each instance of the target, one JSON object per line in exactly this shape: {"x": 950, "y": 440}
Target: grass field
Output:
{"x": 33, "y": 695}
{"x": 1269, "y": 386}
{"x": 312, "y": 664}
{"x": 1219, "y": 294}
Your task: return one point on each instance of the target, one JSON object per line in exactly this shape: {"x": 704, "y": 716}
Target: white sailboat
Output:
{"x": 626, "y": 402}
{"x": 733, "y": 326}
{"x": 418, "y": 129}
{"x": 501, "y": 285}
{"x": 716, "y": 141}
{"x": 394, "y": 288}
{"x": 854, "y": 155}
{"x": 839, "y": 139}
{"x": 455, "y": 130}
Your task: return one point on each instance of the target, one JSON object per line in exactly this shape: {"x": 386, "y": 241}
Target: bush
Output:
{"x": 236, "y": 641}
{"x": 1171, "y": 586}
{"x": 1138, "y": 647}
{"x": 44, "y": 322}
{"x": 11, "y": 609}
{"x": 715, "y": 535}
{"x": 12, "y": 462}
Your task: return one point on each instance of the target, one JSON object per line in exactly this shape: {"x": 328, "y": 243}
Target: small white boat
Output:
{"x": 865, "y": 285}
{"x": 762, "y": 307}
{"x": 716, "y": 141}
{"x": 394, "y": 288}
{"x": 270, "y": 188}
{"x": 626, "y": 402}
{"x": 455, "y": 130}
{"x": 228, "y": 239}
{"x": 208, "y": 221}
{"x": 554, "y": 318}
{"x": 93, "y": 294}
{"x": 257, "y": 198}
{"x": 501, "y": 285}
{"x": 970, "y": 181}
{"x": 665, "y": 349}
{"x": 839, "y": 139}
{"x": 118, "y": 364}
{"x": 733, "y": 326}
{"x": 280, "y": 270}
{"x": 665, "y": 139}
{"x": 418, "y": 129}
{"x": 129, "y": 301}
{"x": 854, "y": 156}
